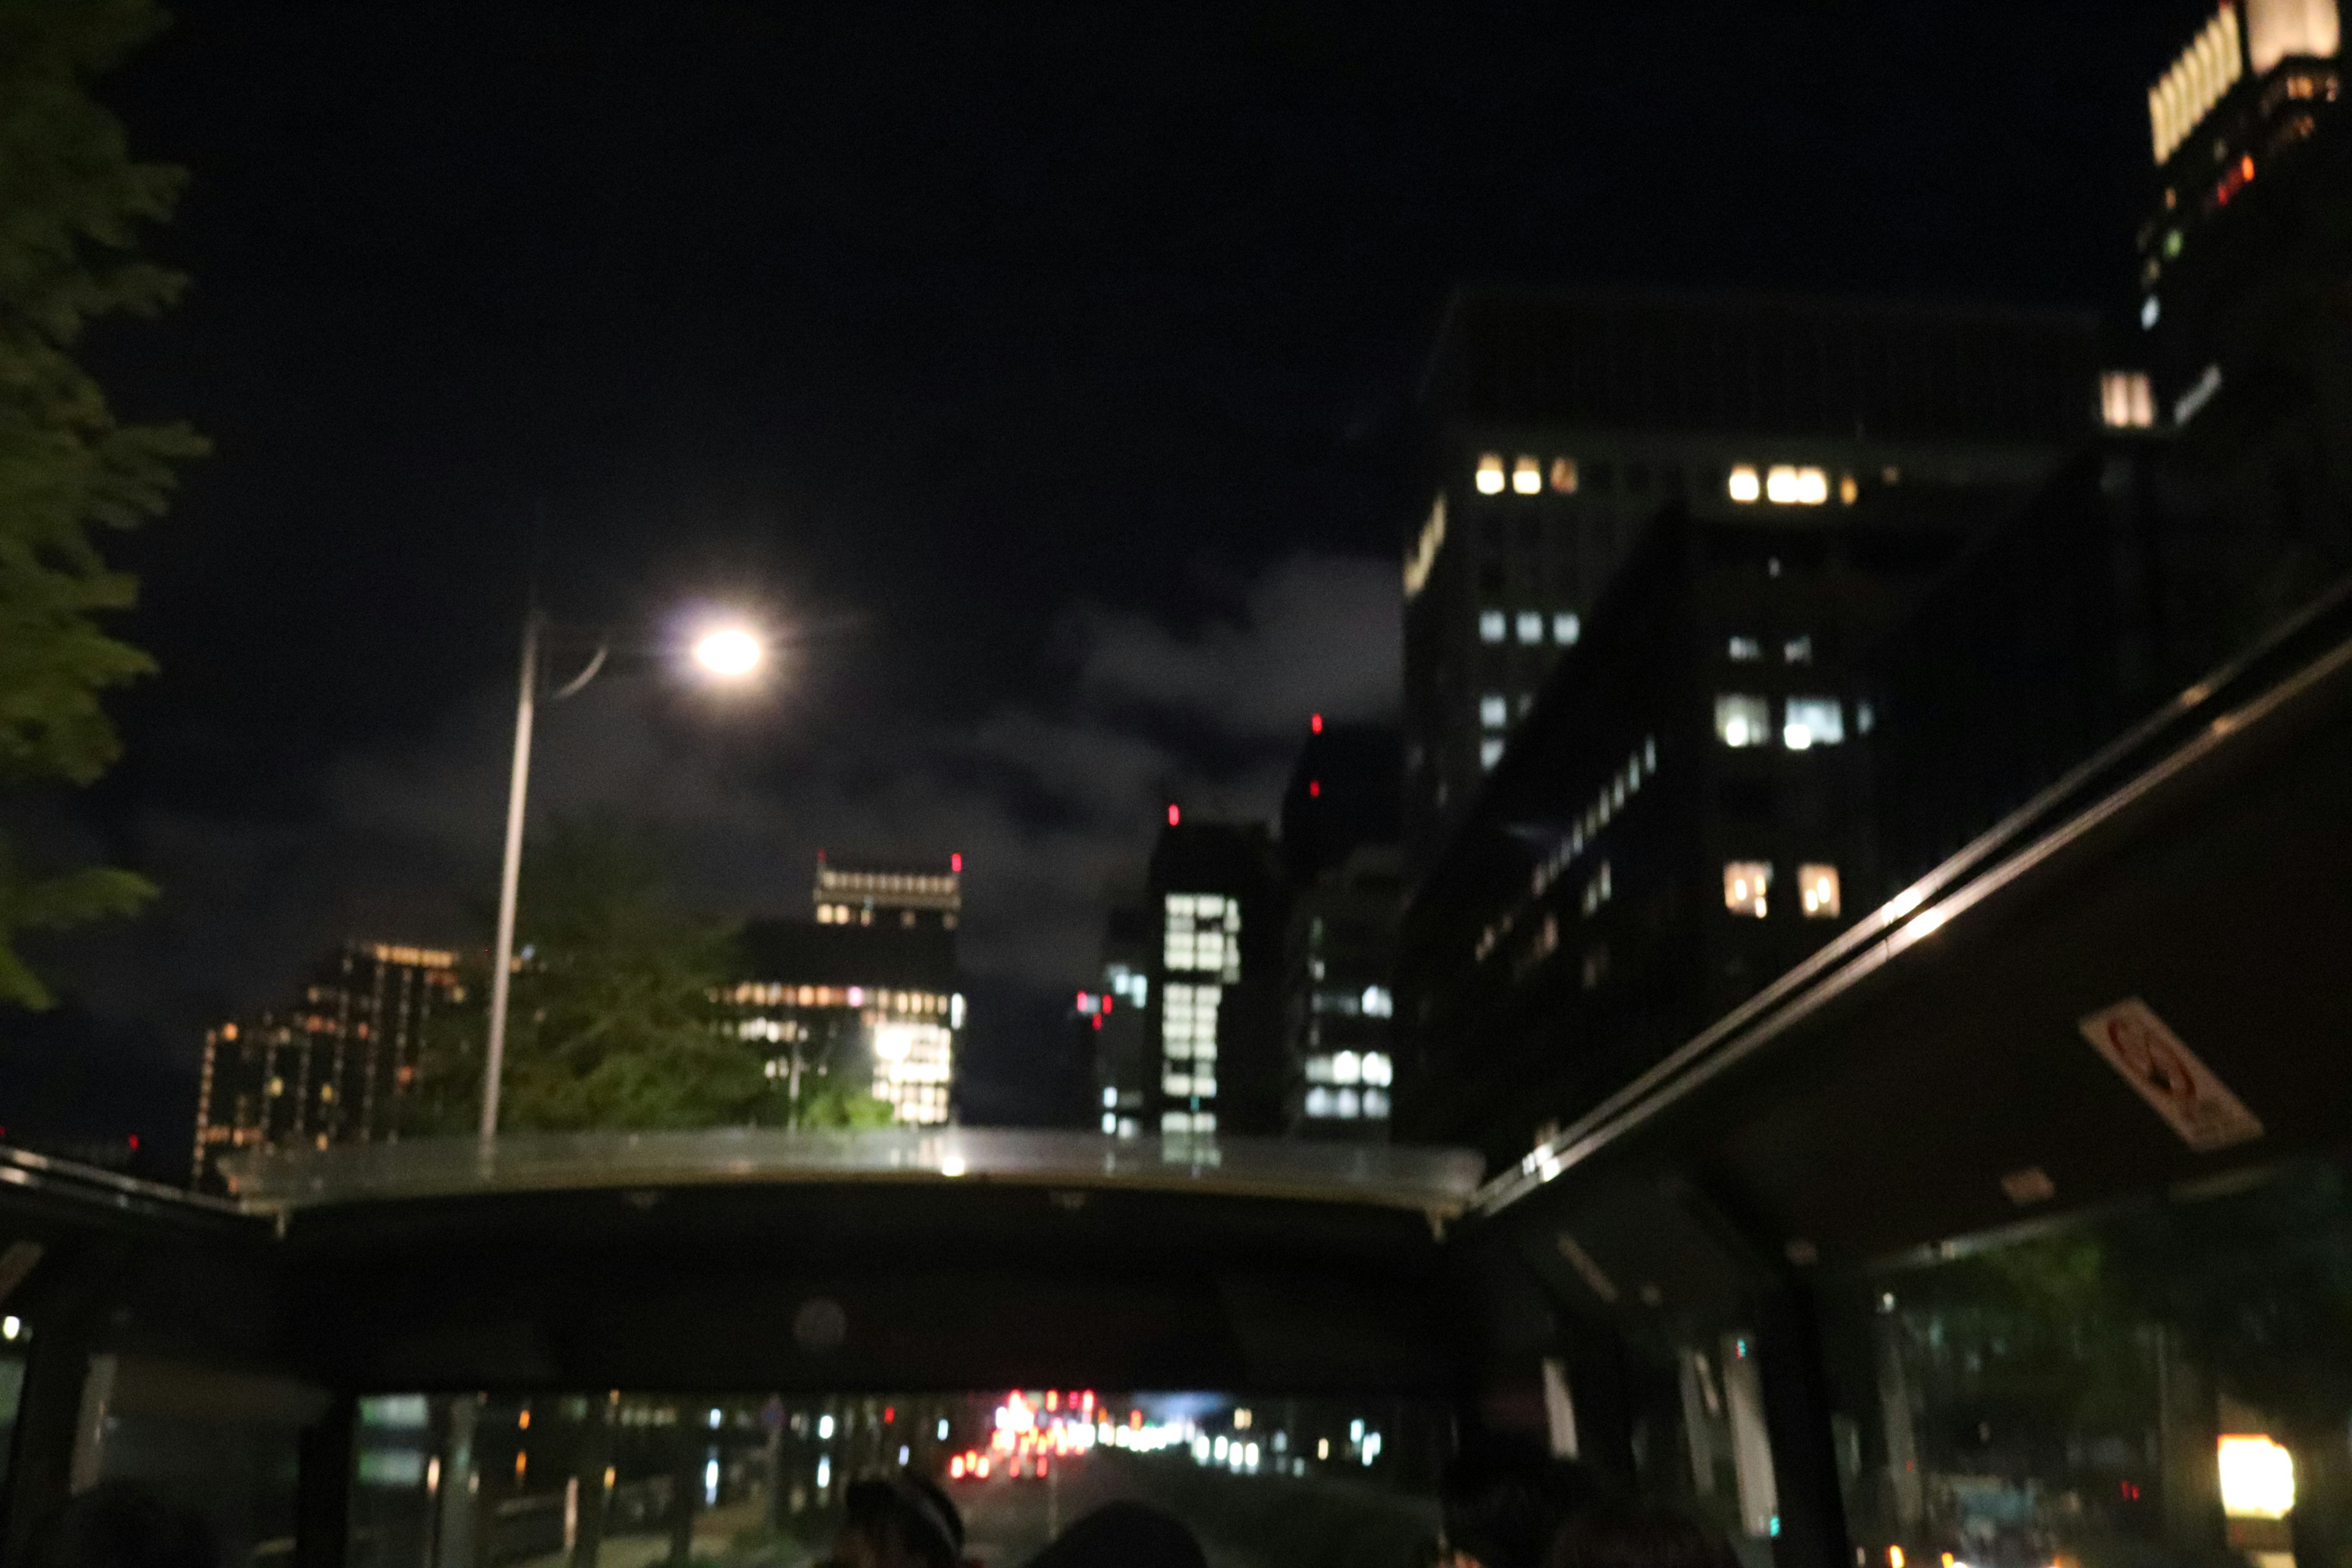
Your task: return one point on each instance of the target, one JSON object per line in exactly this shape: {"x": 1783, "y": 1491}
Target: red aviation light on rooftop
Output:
{"x": 955, "y": 863}
{"x": 1314, "y": 789}
{"x": 1315, "y": 724}
{"x": 1175, "y": 816}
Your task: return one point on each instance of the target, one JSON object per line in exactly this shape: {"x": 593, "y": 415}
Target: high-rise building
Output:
{"x": 1213, "y": 1026}
{"x": 1686, "y": 811}
{"x": 1125, "y": 1055}
{"x": 875, "y": 1007}
{"x": 878, "y": 893}
{"x": 2248, "y": 168}
{"x": 1339, "y": 1007}
{"x": 333, "y": 1068}
{"x": 1340, "y": 823}
{"x": 867, "y": 990}
{"x": 1553, "y": 426}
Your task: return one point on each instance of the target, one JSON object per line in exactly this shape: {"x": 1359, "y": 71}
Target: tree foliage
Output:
{"x": 617, "y": 1018}
{"x": 73, "y": 204}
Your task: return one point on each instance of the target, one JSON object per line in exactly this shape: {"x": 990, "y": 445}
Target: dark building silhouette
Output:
{"x": 1346, "y": 789}
{"x": 1551, "y": 426}
{"x": 1117, "y": 1018}
{"x": 1688, "y": 809}
{"x": 1342, "y": 814}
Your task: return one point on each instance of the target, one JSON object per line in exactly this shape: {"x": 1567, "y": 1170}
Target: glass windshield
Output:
{"x": 2170, "y": 1384}
{"x": 1438, "y": 1181}
{"x": 617, "y": 1480}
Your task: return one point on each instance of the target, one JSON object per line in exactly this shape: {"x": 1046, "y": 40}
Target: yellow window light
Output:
{"x": 1743, "y": 488}
{"x": 2257, "y": 1478}
{"x": 1526, "y": 476}
{"x": 1818, "y": 888}
{"x": 1490, "y": 474}
{"x": 1787, "y": 485}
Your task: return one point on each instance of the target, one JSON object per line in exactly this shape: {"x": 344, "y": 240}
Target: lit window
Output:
{"x": 1347, "y": 1067}
{"x": 1494, "y": 710}
{"x": 1526, "y": 476}
{"x": 1319, "y": 1103}
{"x": 1493, "y": 626}
{"x": 1742, "y": 483}
{"x": 1378, "y": 1070}
{"x": 1110, "y": 1099}
{"x": 1378, "y": 1003}
{"x": 1563, "y": 475}
{"x": 1798, "y": 650}
{"x": 1817, "y": 890}
{"x": 1349, "y": 1106}
{"x": 1531, "y": 627}
{"x": 2126, "y": 400}
{"x": 1490, "y": 474}
{"x": 1746, "y": 650}
{"x": 1746, "y": 884}
{"x": 2257, "y": 1478}
{"x": 1566, "y": 627}
{"x": 1490, "y": 751}
{"x": 1743, "y": 720}
{"x": 1848, "y": 489}
{"x": 1811, "y": 722}
{"x": 1110, "y": 1124}
{"x": 2150, "y": 312}
{"x": 1376, "y": 1104}
{"x": 1786, "y": 485}
{"x": 1865, "y": 717}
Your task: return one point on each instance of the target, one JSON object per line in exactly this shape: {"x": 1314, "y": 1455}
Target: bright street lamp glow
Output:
{"x": 729, "y": 651}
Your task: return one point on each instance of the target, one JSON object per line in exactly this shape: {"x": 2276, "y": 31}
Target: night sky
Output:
{"x": 1053, "y": 361}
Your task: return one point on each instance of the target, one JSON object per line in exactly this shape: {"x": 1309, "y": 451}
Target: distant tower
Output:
{"x": 333, "y": 1068}
{"x": 1214, "y": 1023}
{"x": 888, "y": 893}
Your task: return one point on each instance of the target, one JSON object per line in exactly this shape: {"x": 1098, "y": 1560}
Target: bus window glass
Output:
{"x": 487, "y": 1480}
{"x": 2166, "y": 1384}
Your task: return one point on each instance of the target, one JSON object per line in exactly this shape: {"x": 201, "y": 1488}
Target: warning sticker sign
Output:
{"x": 2168, "y": 1076}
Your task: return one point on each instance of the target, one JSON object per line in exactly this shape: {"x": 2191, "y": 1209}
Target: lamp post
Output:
{"x": 726, "y": 651}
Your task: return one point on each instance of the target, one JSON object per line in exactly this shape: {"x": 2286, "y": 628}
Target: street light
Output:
{"x": 727, "y": 650}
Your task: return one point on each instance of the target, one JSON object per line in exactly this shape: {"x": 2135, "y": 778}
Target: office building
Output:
{"x": 874, "y": 1006}
{"x": 1212, "y": 1009}
{"x": 2248, "y": 165}
{"x": 1552, "y": 426}
{"x": 1339, "y": 1007}
{"x": 1341, "y": 814}
{"x": 1688, "y": 809}
{"x": 1125, "y": 1053}
{"x": 868, "y": 894}
{"x": 333, "y": 1068}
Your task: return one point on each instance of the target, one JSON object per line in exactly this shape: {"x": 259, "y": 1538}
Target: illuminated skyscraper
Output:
{"x": 1214, "y": 1012}
{"x": 867, "y": 990}
{"x": 333, "y": 1068}
{"x": 2247, "y": 169}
